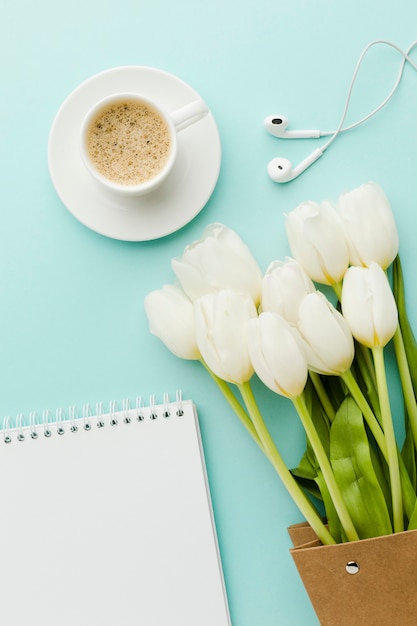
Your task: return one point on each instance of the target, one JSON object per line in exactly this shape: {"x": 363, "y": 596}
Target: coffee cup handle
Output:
{"x": 189, "y": 114}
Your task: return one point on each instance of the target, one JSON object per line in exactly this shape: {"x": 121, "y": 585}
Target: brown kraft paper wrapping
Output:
{"x": 383, "y": 592}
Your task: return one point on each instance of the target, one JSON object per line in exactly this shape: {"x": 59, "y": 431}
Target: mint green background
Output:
{"x": 72, "y": 325}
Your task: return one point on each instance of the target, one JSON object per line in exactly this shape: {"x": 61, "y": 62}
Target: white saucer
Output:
{"x": 176, "y": 202}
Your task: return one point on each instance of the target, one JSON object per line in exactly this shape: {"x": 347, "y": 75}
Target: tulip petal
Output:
{"x": 369, "y": 306}
{"x": 329, "y": 342}
{"x": 370, "y": 226}
{"x": 318, "y": 241}
{"x": 277, "y": 355}
{"x": 283, "y": 287}
{"x": 221, "y": 330}
{"x": 171, "y": 318}
{"x": 219, "y": 260}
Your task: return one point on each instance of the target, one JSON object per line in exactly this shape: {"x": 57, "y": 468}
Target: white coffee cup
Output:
{"x": 129, "y": 143}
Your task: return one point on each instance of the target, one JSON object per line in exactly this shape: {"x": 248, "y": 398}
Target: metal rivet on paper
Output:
{"x": 352, "y": 567}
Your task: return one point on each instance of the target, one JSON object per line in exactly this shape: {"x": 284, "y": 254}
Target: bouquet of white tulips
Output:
{"x": 325, "y": 355}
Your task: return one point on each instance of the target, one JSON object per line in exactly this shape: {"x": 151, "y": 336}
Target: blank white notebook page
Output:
{"x": 110, "y": 525}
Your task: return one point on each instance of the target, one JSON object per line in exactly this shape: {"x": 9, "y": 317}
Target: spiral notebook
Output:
{"x": 106, "y": 520}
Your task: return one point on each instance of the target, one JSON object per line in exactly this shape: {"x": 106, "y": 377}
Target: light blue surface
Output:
{"x": 73, "y": 329}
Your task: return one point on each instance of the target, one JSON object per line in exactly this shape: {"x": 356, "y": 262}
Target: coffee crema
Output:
{"x": 128, "y": 142}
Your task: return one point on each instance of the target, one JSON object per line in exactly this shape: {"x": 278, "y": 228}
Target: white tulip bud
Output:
{"x": 368, "y": 305}
{"x": 283, "y": 287}
{"x": 277, "y": 354}
{"x": 318, "y": 241}
{"x": 370, "y": 226}
{"x": 221, "y": 321}
{"x": 328, "y": 340}
{"x": 171, "y": 318}
{"x": 219, "y": 260}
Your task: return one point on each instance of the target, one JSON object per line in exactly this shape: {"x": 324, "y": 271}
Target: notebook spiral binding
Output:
{"x": 19, "y": 429}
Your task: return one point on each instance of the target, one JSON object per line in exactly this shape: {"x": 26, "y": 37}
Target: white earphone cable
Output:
{"x": 406, "y": 59}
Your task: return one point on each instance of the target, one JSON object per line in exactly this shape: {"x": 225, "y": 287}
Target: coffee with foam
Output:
{"x": 128, "y": 142}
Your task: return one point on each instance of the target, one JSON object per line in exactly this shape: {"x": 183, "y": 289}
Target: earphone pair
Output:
{"x": 280, "y": 170}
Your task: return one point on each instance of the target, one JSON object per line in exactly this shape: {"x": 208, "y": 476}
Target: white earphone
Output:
{"x": 276, "y": 125}
{"x": 280, "y": 170}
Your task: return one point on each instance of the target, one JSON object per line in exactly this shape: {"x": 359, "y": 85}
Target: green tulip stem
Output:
{"x": 322, "y": 395}
{"x": 337, "y": 288}
{"x": 388, "y": 427}
{"x": 367, "y": 369}
{"x": 235, "y": 405}
{"x": 326, "y": 469}
{"x": 406, "y": 382}
{"x": 295, "y": 491}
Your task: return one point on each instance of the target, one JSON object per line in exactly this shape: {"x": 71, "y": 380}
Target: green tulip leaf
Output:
{"x": 355, "y": 474}
{"x": 410, "y": 343}
{"x": 310, "y": 486}
{"x": 321, "y": 423}
{"x": 334, "y": 389}
{"x": 413, "y": 520}
{"x": 408, "y": 455}
{"x": 306, "y": 471}
{"x": 382, "y": 474}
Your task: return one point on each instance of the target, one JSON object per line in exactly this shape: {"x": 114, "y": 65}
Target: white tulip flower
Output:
{"x": 171, "y": 318}
{"x": 219, "y": 260}
{"x": 277, "y": 354}
{"x": 368, "y": 305}
{"x": 283, "y": 287}
{"x": 221, "y": 321}
{"x": 318, "y": 241}
{"x": 370, "y": 225}
{"x": 328, "y": 340}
